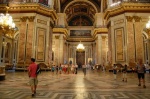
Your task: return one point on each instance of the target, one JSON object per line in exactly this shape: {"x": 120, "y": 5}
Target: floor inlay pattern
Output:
{"x": 96, "y": 85}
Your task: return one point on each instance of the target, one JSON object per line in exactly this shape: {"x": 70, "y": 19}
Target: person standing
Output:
{"x": 115, "y": 71}
{"x": 125, "y": 73}
{"x": 33, "y": 76}
{"x": 141, "y": 73}
{"x": 84, "y": 69}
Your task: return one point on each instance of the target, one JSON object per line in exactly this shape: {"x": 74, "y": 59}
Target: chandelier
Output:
{"x": 7, "y": 26}
{"x": 80, "y": 47}
{"x": 148, "y": 25}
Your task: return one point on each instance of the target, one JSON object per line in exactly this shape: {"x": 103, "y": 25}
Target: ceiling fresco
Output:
{"x": 80, "y": 8}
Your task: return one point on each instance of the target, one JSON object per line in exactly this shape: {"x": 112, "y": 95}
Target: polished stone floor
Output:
{"x": 96, "y": 85}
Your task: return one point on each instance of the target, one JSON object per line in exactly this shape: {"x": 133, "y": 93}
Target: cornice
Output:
{"x": 100, "y": 31}
{"x": 80, "y": 39}
{"x": 127, "y": 7}
{"x": 60, "y": 31}
{"x": 30, "y": 8}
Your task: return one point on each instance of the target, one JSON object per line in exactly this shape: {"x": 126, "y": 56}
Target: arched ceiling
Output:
{"x": 83, "y": 9}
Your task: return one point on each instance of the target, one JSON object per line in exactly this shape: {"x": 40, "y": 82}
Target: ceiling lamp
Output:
{"x": 148, "y": 25}
{"x": 7, "y": 26}
{"x": 80, "y": 47}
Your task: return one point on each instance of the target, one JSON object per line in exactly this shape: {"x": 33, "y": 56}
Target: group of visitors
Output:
{"x": 33, "y": 67}
{"x": 140, "y": 69}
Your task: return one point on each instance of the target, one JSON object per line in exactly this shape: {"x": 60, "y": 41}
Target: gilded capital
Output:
{"x": 24, "y": 19}
{"x": 57, "y": 36}
{"x": 129, "y": 18}
{"x": 31, "y": 18}
{"x": 103, "y": 37}
{"x": 137, "y": 18}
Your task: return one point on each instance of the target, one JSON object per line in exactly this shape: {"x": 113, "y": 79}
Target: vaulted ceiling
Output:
{"x": 80, "y": 12}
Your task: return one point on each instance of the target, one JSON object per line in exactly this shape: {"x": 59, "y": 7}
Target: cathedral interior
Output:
{"x": 111, "y": 31}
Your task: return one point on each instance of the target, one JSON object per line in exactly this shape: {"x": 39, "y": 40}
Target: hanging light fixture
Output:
{"x": 80, "y": 46}
{"x": 148, "y": 25}
{"x": 7, "y": 26}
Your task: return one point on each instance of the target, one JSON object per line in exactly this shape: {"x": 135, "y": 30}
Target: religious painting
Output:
{"x": 119, "y": 44}
{"x": 79, "y": 33}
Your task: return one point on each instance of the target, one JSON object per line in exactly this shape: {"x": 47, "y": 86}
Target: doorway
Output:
{"x": 80, "y": 58}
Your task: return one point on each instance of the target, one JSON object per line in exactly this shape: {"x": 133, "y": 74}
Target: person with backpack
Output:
{"x": 33, "y": 81}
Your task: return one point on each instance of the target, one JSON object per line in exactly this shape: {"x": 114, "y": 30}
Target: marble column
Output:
{"x": 99, "y": 19}
{"x": 51, "y": 3}
{"x": 131, "y": 47}
{"x": 148, "y": 47}
{"x": 29, "y": 34}
{"x": 23, "y": 27}
{"x": 139, "y": 38}
{"x": 99, "y": 49}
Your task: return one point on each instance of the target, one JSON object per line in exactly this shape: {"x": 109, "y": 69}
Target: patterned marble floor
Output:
{"x": 96, "y": 85}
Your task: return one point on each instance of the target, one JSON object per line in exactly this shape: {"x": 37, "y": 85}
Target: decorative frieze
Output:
{"x": 25, "y": 18}
{"x": 118, "y": 21}
{"x": 41, "y": 21}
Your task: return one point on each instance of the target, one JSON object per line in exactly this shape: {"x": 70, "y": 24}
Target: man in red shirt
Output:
{"x": 33, "y": 76}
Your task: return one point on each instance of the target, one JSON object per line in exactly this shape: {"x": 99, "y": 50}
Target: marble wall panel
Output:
{"x": 119, "y": 44}
{"x": 40, "y": 50}
{"x": 22, "y": 41}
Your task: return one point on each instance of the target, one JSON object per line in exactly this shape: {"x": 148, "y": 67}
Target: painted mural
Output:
{"x": 84, "y": 33}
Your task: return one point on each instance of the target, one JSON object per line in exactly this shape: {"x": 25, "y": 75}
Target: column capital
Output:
{"x": 129, "y": 18}
{"x": 137, "y": 18}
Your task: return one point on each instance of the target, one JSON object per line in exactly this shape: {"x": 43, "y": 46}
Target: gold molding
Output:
{"x": 30, "y": 8}
{"x": 129, "y": 18}
{"x": 61, "y": 31}
{"x": 126, "y": 7}
{"x": 100, "y": 31}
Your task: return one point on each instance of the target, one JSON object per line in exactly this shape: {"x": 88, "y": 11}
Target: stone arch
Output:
{"x": 74, "y": 1}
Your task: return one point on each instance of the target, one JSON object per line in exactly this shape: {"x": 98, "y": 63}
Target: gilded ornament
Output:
{"x": 137, "y": 18}
{"x": 129, "y": 18}
{"x": 24, "y": 19}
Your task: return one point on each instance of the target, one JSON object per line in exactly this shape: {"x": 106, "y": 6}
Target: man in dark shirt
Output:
{"x": 141, "y": 73}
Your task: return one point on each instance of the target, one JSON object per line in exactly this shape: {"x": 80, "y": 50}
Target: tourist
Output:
{"x": 124, "y": 73}
{"x": 33, "y": 76}
{"x": 141, "y": 73}
{"x": 115, "y": 71}
{"x": 84, "y": 69}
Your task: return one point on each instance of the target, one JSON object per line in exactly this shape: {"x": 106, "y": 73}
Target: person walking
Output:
{"x": 141, "y": 73}
{"x": 33, "y": 81}
{"x": 124, "y": 73}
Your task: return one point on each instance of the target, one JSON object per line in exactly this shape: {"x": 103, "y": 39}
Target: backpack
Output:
{"x": 38, "y": 70}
